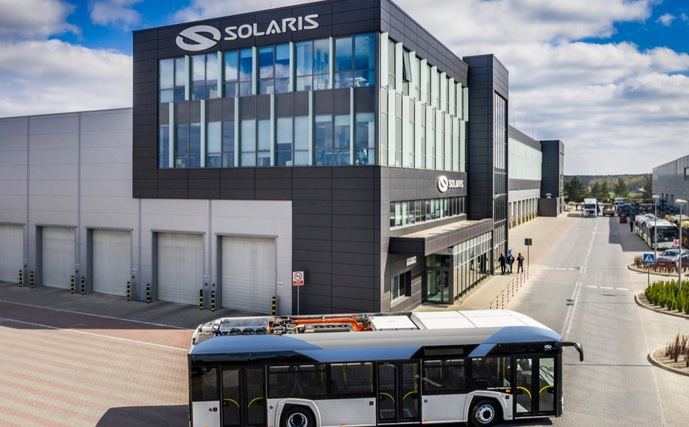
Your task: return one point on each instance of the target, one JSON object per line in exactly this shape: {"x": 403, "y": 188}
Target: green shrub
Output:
{"x": 665, "y": 294}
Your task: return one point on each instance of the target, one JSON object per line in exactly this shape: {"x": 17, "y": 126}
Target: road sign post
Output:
{"x": 648, "y": 258}
{"x": 297, "y": 282}
{"x": 528, "y": 242}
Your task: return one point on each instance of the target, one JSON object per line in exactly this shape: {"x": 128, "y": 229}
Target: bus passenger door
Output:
{"x": 243, "y": 396}
{"x": 534, "y": 386}
{"x": 398, "y": 392}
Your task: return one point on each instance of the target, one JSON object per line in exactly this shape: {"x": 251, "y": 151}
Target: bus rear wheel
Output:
{"x": 485, "y": 413}
{"x": 298, "y": 416}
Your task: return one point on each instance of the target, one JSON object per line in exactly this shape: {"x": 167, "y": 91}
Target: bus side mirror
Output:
{"x": 577, "y": 347}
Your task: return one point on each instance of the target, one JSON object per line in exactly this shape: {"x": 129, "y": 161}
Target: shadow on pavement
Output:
{"x": 134, "y": 416}
{"x": 620, "y": 235}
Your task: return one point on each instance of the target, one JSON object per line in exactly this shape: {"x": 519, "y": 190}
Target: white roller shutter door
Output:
{"x": 180, "y": 267}
{"x": 11, "y": 252}
{"x": 248, "y": 273}
{"x": 111, "y": 261}
{"x": 57, "y": 256}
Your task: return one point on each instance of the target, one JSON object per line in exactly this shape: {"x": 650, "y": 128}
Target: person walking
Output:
{"x": 502, "y": 261}
{"x": 510, "y": 261}
{"x": 520, "y": 263}
{"x": 631, "y": 224}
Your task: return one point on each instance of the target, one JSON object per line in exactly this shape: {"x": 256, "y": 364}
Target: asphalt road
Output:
{"x": 593, "y": 304}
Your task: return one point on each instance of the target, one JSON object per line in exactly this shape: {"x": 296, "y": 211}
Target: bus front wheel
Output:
{"x": 298, "y": 416}
{"x": 485, "y": 413}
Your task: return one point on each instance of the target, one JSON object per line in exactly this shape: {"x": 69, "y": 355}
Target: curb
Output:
{"x": 661, "y": 365}
{"x": 637, "y": 299}
{"x": 637, "y": 270}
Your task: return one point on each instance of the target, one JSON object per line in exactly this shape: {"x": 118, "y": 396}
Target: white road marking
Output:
{"x": 606, "y": 287}
{"x": 91, "y": 314}
{"x": 621, "y": 289}
{"x": 569, "y": 319}
{"x": 592, "y": 287}
{"x": 548, "y": 268}
{"x": 166, "y": 347}
{"x": 653, "y": 370}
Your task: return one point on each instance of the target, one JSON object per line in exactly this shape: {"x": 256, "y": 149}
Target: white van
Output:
{"x": 590, "y": 208}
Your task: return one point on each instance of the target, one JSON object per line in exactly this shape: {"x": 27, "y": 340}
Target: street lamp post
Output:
{"x": 655, "y": 228}
{"x": 680, "y": 202}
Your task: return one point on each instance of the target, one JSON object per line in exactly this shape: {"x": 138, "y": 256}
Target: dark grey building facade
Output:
{"x": 391, "y": 149}
{"x": 553, "y": 181}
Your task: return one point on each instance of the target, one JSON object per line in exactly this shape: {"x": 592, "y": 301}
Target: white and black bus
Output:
{"x": 664, "y": 231}
{"x": 480, "y": 367}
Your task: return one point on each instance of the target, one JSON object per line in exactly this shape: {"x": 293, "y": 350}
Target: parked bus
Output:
{"x": 481, "y": 367}
{"x": 665, "y": 231}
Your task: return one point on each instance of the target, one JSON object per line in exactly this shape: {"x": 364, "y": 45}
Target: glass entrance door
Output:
{"x": 523, "y": 386}
{"x": 398, "y": 392}
{"x": 243, "y": 396}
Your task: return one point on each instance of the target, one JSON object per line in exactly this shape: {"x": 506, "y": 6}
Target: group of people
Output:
{"x": 506, "y": 263}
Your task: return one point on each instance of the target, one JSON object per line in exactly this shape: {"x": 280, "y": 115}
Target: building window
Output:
{"x": 398, "y": 141}
{"x": 231, "y": 60}
{"x": 400, "y": 286}
{"x": 204, "y": 72}
{"x": 499, "y": 131}
{"x": 301, "y": 141}
{"x": 364, "y": 146}
{"x": 342, "y": 140}
{"x": 213, "y": 145}
{"x": 355, "y": 61}
{"x": 323, "y": 140}
{"x": 273, "y": 65}
{"x": 312, "y": 65}
{"x": 392, "y": 66}
{"x": 228, "y": 153}
{"x": 263, "y": 155}
{"x": 172, "y": 75}
{"x": 409, "y": 138}
{"x": 246, "y": 68}
{"x": 164, "y": 150}
{"x": 383, "y": 139}
{"x": 421, "y": 122}
{"x": 188, "y": 146}
{"x": 248, "y": 143}
{"x": 412, "y": 212}
{"x": 283, "y": 145}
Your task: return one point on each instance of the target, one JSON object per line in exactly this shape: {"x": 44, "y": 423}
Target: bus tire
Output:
{"x": 298, "y": 416}
{"x": 485, "y": 412}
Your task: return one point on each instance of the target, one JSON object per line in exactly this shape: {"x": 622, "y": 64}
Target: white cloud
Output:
{"x": 34, "y": 18}
{"x": 666, "y": 19}
{"x": 114, "y": 12}
{"x": 48, "y": 76}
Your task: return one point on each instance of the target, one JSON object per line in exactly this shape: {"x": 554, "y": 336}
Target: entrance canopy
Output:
{"x": 437, "y": 239}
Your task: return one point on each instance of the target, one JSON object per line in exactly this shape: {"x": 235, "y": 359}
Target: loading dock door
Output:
{"x": 11, "y": 252}
{"x": 111, "y": 261}
{"x": 57, "y": 256}
{"x": 180, "y": 267}
{"x": 248, "y": 273}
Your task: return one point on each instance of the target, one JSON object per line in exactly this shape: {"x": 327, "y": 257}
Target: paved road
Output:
{"x": 583, "y": 289}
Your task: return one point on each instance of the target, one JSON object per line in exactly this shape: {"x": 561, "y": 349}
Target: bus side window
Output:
{"x": 351, "y": 379}
{"x": 490, "y": 372}
{"x": 444, "y": 377}
{"x": 204, "y": 383}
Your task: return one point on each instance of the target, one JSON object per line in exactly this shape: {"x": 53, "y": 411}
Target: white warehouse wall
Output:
{"x": 79, "y": 175}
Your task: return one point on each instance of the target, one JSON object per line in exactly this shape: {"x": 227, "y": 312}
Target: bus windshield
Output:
{"x": 666, "y": 234}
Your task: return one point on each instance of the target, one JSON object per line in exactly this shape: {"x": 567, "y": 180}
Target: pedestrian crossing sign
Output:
{"x": 649, "y": 258}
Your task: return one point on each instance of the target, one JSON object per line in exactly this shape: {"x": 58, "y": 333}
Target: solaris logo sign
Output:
{"x": 196, "y": 35}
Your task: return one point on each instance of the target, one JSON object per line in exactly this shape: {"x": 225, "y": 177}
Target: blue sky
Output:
{"x": 608, "y": 77}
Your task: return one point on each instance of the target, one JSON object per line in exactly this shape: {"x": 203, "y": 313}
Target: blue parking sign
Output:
{"x": 649, "y": 258}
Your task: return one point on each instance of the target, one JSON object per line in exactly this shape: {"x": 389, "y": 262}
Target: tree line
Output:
{"x": 608, "y": 188}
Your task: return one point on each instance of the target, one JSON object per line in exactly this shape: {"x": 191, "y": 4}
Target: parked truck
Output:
{"x": 590, "y": 208}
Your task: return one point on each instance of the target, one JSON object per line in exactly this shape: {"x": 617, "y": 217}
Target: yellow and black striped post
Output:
{"x": 71, "y": 284}
{"x": 82, "y": 285}
{"x": 21, "y": 278}
{"x": 200, "y": 299}
{"x": 148, "y": 293}
{"x": 274, "y": 305}
{"x": 213, "y": 300}
{"x": 32, "y": 279}
{"x": 129, "y": 290}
